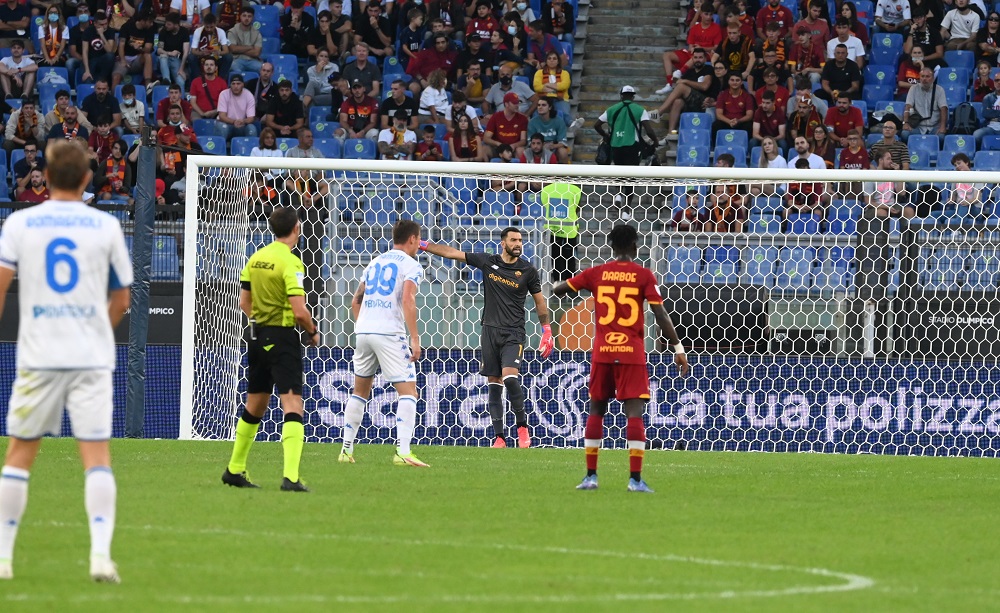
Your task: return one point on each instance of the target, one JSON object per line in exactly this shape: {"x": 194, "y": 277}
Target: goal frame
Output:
{"x": 611, "y": 176}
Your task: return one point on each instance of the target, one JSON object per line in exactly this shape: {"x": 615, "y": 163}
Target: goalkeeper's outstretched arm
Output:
{"x": 443, "y": 250}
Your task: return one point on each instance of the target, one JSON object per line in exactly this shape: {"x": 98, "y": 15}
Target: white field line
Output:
{"x": 847, "y": 581}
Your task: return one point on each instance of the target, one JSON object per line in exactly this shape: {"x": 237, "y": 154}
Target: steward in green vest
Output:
{"x": 560, "y": 202}
{"x": 626, "y": 121}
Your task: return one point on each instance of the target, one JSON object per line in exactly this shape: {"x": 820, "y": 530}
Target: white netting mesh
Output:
{"x": 821, "y": 326}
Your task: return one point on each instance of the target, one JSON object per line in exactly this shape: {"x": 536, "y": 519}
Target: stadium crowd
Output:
{"x": 478, "y": 80}
{"x": 900, "y": 84}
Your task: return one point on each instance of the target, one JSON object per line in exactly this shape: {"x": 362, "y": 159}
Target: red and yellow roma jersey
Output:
{"x": 620, "y": 289}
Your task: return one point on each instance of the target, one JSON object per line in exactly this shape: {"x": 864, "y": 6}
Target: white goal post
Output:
{"x": 812, "y": 323}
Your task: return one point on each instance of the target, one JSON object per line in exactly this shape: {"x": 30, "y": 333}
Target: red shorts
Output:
{"x": 683, "y": 57}
{"x": 623, "y": 381}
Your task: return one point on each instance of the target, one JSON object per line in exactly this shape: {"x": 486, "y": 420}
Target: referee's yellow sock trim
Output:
{"x": 246, "y": 432}
{"x": 292, "y": 438}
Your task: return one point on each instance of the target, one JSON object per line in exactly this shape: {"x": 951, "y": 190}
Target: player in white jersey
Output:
{"x": 385, "y": 314}
{"x": 74, "y": 277}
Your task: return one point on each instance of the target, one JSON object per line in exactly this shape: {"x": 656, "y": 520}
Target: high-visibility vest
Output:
{"x": 560, "y": 202}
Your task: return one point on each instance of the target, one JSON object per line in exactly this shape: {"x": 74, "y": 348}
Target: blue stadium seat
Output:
{"x": 392, "y": 66}
{"x": 739, "y": 155}
{"x": 380, "y": 218}
{"x": 758, "y": 265}
{"x": 692, "y": 156}
{"x": 325, "y": 129}
{"x": 754, "y": 157}
{"x": 873, "y": 138}
{"x": 873, "y": 94}
{"x": 732, "y": 138}
{"x": 204, "y": 127}
{"x": 129, "y": 139}
{"x": 270, "y": 45}
{"x": 944, "y": 159}
{"x": 865, "y": 12}
{"x": 845, "y": 209}
{"x": 833, "y": 271}
{"x": 243, "y": 145}
{"x": 956, "y": 93}
{"x": 965, "y": 60}
{"x": 694, "y": 138}
{"x": 792, "y": 6}
{"x": 763, "y": 224}
{"x": 444, "y": 149}
{"x": 567, "y": 48}
{"x": 921, "y": 159}
{"x": 16, "y": 155}
{"x": 330, "y": 147}
{"x": 166, "y": 264}
{"x": 887, "y": 40}
{"x": 465, "y": 191}
{"x": 862, "y": 106}
{"x": 286, "y": 143}
{"x": 949, "y": 75}
{"x": 794, "y": 268}
{"x": 958, "y": 142}
{"x": 721, "y": 265}
{"x": 924, "y": 142}
{"x": 286, "y": 67}
{"x": 987, "y": 160}
{"x": 440, "y": 131}
{"x": 845, "y": 227}
{"x": 765, "y": 204}
{"x": 498, "y": 204}
{"x": 319, "y": 113}
{"x": 213, "y": 145}
{"x": 890, "y": 106}
{"x": 802, "y": 224}
{"x": 696, "y": 121}
{"x": 532, "y": 209}
{"x": 359, "y": 149}
{"x": 82, "y": 91}
{"x": 159, "y": 93}
{"x": 266, "y": 19}
{"x": 47, "y": 96}
{"x": 886, "y": 55}
{"x": 683, "y": 265}
{"x": 879, "y": 74}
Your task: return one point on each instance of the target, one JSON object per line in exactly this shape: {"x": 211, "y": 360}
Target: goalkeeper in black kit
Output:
{"x": 507, "y": 280}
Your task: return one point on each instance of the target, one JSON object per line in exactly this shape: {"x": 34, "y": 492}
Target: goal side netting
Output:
{"x": 830, "y": 311}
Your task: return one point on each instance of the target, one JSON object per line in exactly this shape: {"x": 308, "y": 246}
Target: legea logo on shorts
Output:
{"x": 615, "y": 338}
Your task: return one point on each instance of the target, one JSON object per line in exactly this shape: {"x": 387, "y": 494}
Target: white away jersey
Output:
{"x": 382, "y": 304}
{"x": 67, "y": 257}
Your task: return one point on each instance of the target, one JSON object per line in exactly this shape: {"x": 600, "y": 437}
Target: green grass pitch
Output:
{"x": 486, "y": 530}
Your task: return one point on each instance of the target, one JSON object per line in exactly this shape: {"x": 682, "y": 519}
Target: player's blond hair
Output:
{"x": 66, "y": 164}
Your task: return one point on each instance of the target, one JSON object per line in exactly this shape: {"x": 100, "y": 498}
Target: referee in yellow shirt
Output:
{"x": 272, "y": 295}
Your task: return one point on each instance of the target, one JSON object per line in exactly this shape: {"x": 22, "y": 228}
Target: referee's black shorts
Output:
{"x": 502, "y": 348}
{"x": 274, "y": 360}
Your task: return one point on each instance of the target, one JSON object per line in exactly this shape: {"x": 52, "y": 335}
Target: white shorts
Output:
{"x": 390, "y": 354}
{"x": 39, "y": 397}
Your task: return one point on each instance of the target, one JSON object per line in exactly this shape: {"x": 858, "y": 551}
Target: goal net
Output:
{"x": 831, "y": 311}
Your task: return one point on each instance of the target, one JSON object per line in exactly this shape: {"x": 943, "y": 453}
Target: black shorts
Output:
{"x": 274, "y": 360}
{"x": 626, "y": 156}
{"x": 502, "y": 348}
{"x": 694, "y": 102}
